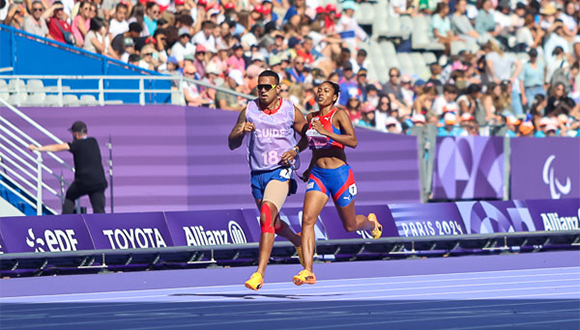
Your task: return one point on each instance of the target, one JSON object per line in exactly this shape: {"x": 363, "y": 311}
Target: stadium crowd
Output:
{"x": 483, "y": 89}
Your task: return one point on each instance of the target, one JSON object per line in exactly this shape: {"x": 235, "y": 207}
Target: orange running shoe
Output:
{"x": 255, "y": 282}
{"x": 304, "y": 277}
{"x": 378, "y": 231}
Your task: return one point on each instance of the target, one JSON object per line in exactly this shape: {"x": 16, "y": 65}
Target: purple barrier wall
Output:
{"x": 468, "y": 167}
{"x": 45, "y": 234}
{"x": 555, "y": 215}
{"x": 545, "y": 168}
{"x": 496, "y": 217}
{"x": 440, "y": 219}
{"x": 170, "y": 158}
{"x": 129, "y": 230}
{"x": 219, "y": 227}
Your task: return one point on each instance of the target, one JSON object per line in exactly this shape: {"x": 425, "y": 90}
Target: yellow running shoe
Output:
{"x": 255, "y": 282}
{"x": 378, "y": 231}
{"x": 304, "y": 277}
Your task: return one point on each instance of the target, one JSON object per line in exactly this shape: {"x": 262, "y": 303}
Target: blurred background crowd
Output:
{"x": 515, "y": 73}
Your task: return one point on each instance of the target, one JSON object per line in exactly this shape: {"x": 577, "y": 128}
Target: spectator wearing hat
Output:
{"x": 361, "y": 80}
{"x": 393, "y": 126}
{"x": 367, "y": 118}
{"x": 236, "y": 61}
{"x": 512, "y": 124}
{"x": 121, "y": 42}
{"x": 170, "y": 67}
{"x": 89, "y": 173}
{"x": 275, "y": 65}
{"x": 205, "y": 37}
{"x": 448, "y": 126}
{"x": 118, "y": 23}
{"x": 348, "y": 85}
{"x": 347, "y": 26}
{"x": 199, "y": 60}
{"x": 532, "y": 78}
{"x": 191, "y": 90}
{"x": 226, "y": 101}
{"x": 182, "y": 47}
{"x": 526, "y": 129}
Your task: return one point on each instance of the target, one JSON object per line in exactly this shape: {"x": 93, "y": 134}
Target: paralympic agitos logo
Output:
{"x": 557, "y": 189}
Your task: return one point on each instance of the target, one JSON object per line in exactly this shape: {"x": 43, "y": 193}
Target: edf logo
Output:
{"x": 54, "y": 240}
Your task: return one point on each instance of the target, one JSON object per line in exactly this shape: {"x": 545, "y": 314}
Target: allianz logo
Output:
{"x": 557, "y": 189}
{"x": 198, "y": 235}
{"x": 52, "y": 240}
{"x": 134, "y": 238}
{"x": 554, "y": 222}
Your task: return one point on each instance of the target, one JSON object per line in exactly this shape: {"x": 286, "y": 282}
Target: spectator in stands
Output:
{"x": 461, "y": 25}
{"x": 408, "y": 93}
{"x": 353, "y": 108}
{"x": 89, "y": 174}
{"x": 360, "y": 61}
{"x": 382, "y": 112}
{"x": 425, "y": 96}
{"x": 199, "y": 60}
{"x": 205, "y": 37}
{"x": 138, "y": 16}
{"x": 182, "y": 47}
{"x": 446, "y": 102}
{"x": 98, "y": 39}
{"x": 151, "y": 16}
{"x": 58, "y": 28}
{"x": 352, "y": 34}
{"x": 118, "y": 23}
{"x": 236, "y": 60}
{"x": 36, "y": 23}
{"x": 348, "y": 85}
{"x": 190, "y": 89}
{"x": 532, "y": 78}
{"x": 226, "y": 101}
{"x": 556, "y": 38}
{"x": 393, "y": 89}
{"x": 399, "y": 8}
{"x": 470, "y": 103}
{"x": 15, "y": 16}
{"x": 526, "y": 129}
{"x": 494, "y": 102}
{"x": 367, "y": 118}
{"x": 441, "y": 27}
{"x": 559, "y": 102}
{"x": 297, "y": 73}
{"x": 485, "y": 22}
{"x": 82, "y": 23}
{"x": 127, "y": 39}
{"x": 557, "y": 68}
{"x": 530, "y": 34}
{"x": 505, "y": 67}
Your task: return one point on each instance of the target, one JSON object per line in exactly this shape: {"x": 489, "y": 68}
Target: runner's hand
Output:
{"x": 248, "y": 127}
{"x": 288, "y": 157}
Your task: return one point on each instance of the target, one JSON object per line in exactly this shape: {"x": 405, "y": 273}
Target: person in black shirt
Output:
{"x": 89, "y": 173}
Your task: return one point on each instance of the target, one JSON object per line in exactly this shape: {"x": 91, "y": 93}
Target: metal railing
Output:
{"x": 106, "y": 95}
{"x": 22, "y": 170}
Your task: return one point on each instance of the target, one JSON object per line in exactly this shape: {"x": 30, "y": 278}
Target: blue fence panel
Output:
{"x": 32, "y": 55}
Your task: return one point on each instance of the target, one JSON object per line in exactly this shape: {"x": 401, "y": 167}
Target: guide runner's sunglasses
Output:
{"x": 266, "y": 87}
